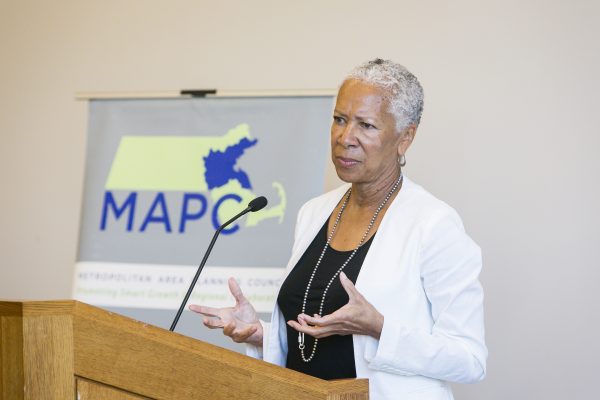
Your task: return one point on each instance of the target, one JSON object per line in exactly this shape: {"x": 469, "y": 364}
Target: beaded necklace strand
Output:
{"x": 301, "y": 344}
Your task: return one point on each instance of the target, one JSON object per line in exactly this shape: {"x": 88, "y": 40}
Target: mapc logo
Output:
{"x": 196, "y": 167}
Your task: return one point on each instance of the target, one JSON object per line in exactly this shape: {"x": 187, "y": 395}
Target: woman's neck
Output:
{"x": 371, "y": 194}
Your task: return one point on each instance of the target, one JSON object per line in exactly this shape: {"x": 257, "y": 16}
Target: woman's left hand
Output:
{"x": 357, "y": 317}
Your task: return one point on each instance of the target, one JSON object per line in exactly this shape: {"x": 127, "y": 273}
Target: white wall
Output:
{"x": 509, "y": 137}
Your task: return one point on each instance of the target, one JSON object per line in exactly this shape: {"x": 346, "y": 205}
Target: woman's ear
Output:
{"x": 406, "y": 138}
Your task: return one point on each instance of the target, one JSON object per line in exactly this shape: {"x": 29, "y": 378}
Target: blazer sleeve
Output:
{"x": 454, "y": 350}
{"x": 258, "y": 351}
{"x": 274, "y": 348}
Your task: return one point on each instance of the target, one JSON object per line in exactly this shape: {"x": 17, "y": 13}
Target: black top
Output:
{"x": 334, "y": 358}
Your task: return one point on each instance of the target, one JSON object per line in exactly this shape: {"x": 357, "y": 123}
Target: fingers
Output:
{"x": 314, "y": 331}
{"x": 349, "y": 287}
{"x": 236, "y": 291}
{"x": 208, "y": 311}
{"x": 239, "y": 335}
{"x": 213, "y": 323}
{"x": 301, "y": 327}
{"x": 319, "y": 321}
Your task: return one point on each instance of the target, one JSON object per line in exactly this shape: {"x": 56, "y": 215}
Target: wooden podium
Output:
{"x": 71, "y": 350}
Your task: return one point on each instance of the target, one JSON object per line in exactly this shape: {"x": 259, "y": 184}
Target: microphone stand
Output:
{"x": 201, "y": 266}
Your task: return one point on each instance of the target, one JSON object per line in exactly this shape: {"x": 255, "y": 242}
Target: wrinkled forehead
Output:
{"x": 357, "y": 96}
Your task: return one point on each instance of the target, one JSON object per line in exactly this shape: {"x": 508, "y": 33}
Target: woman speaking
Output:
{"x": 383, "y": 280}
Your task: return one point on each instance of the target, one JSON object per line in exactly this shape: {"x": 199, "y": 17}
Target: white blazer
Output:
{"x": 421, "y": 273}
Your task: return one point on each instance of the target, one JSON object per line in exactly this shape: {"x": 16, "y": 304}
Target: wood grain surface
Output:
{"x": 48, "y": 357}
{"x": 11, "y": 356}
{"x": 113, "y": 355}
{"x": 90, "y": 390}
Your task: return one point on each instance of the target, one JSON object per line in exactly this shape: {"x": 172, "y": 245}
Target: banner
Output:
{"x": 163, "y": 174}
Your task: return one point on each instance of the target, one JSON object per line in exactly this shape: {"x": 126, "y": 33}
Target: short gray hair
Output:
{"x": 405, "y": 93}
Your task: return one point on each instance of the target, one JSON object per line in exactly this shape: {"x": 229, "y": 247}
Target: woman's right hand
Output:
{"x": 240, "y": 322}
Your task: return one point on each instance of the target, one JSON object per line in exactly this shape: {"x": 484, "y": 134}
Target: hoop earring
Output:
{"x": 402, "y": 160}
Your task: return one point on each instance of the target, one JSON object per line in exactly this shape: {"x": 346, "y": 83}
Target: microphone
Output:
{"x": 255, "y": 205}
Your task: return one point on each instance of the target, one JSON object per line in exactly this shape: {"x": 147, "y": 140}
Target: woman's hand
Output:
{"x": 357, "y": 317}
{"x": 240, "y": 322}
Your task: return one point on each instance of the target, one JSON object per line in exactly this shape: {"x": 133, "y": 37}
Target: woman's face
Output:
{"x": 365, "y": 143}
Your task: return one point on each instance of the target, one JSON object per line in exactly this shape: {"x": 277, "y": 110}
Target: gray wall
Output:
{"x": 509, "y": 137}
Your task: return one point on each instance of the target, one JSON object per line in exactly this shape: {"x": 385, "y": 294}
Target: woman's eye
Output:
{"x": 367, "y": 125}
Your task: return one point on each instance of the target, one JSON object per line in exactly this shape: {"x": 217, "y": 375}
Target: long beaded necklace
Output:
{"x": 301, "y": 344}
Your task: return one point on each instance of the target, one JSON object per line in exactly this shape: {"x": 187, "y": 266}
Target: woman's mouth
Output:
{"x": 346, "y": 162}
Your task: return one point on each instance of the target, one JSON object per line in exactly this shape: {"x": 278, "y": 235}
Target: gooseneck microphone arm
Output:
{"x": 255, "y": 205}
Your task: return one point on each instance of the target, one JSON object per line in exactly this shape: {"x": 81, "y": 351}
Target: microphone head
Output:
{"x": 257, "y": 204}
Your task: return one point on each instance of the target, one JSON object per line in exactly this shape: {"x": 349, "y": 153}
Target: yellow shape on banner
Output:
{"x": 167, "y": 163}
{"x": 178, "y": 163}
{"x": 231, "y": 207}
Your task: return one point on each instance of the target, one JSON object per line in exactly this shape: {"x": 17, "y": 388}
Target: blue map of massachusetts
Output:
{"x": 220, "y": 166}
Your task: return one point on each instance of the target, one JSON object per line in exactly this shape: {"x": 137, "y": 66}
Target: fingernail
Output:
{"x": 343, "y": 275}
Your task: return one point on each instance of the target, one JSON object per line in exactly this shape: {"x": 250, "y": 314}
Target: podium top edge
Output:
{"x": 29, "y": 308}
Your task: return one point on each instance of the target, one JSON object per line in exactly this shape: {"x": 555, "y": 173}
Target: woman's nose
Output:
{"x": 347, "y": 137}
